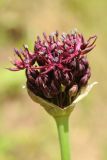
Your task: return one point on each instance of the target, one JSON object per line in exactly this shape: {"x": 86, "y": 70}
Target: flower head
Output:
{"x": 58, "y": 68}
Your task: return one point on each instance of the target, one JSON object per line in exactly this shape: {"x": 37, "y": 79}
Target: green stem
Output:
{"x": 63, "y": 132}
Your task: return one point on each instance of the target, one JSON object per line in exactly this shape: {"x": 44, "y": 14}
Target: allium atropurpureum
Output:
{"x": 58, "y": 68}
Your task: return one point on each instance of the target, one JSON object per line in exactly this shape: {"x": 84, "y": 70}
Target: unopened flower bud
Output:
{"x": 73, "y": 90}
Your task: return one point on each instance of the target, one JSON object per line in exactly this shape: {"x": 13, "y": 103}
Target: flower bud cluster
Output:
{"x": 58, "y": 67}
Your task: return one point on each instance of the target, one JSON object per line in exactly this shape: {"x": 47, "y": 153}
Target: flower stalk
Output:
{"x": 63, "y": 133}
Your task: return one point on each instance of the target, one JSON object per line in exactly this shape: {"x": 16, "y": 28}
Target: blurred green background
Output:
{"x": 27, "y": 132}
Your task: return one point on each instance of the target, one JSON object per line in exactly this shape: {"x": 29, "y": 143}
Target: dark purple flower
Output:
{"x": 58, "y": 68}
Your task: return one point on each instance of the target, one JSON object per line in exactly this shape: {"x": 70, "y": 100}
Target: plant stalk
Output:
{"x": 63, "y": 132}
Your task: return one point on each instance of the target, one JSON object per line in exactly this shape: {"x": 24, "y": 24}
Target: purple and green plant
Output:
{"x": 57, "y": 73}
